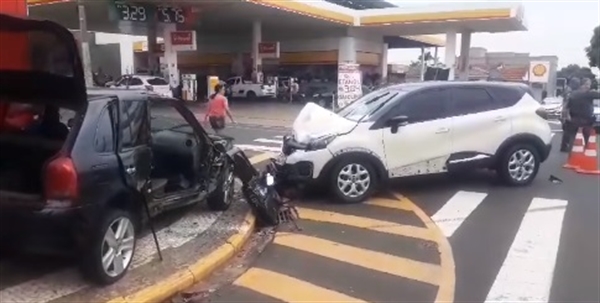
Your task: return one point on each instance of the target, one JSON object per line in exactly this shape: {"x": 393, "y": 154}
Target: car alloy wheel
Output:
{"x": 521, "y": 165}
{"x": 353, "y": 180}
{"x": 118, "y": 246}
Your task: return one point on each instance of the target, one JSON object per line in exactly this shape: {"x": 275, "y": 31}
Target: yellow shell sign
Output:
{"x": 539, "y": 70}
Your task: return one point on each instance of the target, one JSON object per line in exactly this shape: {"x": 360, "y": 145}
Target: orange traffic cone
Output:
{"x": 589, "y": 163}
{"x": 576, "y": 155}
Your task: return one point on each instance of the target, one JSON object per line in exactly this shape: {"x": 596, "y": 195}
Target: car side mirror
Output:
{"x": 396, "y": 122}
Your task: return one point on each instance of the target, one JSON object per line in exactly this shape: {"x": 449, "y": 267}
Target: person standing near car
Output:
{"x": 569, "y": 130}
{"x": 218, "y": 108}
{"x": 581, "y": 110}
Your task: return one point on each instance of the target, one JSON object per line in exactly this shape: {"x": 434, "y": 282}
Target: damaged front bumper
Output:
{"x": 298, "y": 165}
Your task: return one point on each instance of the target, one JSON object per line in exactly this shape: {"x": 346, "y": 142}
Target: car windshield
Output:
{"x": 367, "y": 105}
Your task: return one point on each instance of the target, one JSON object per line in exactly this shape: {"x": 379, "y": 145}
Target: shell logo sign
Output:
{"x": 539, "y": 71}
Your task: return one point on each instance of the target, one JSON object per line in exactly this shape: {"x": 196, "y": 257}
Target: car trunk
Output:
{"x": 41, "y": 74}
{"x": 27, "y": 146}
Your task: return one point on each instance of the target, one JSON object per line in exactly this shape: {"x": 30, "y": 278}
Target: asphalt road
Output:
{"x": 538, "y": 243}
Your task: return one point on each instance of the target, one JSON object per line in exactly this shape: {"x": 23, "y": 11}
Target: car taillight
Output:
{"x": 60, "y": 182}
{"x": 542, "y": 113}
{"x": 150, "y": 88}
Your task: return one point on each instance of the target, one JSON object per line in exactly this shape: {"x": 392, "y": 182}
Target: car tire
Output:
{"x": 360, "y": 176}
{"x": 251, "y": 95}
{"x": 519, "y": 164}
{"x": 222, "y": 197}
{"x": 98, "y": 249}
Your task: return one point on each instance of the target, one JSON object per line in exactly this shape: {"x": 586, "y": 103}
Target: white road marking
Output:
{"x": 456, "y": 210}
{"x": 259, "y": 148}
{"x": 268, "y": 145}
{"x": 271, "y": 141}
{"x": 528, "y": 269}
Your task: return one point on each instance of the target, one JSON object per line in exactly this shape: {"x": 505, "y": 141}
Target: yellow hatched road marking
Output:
{"x": 401, "y": 204}
{"x": 373, "y": 260}
{"x": 368, "y": 224}
{"x": 288, "y": 289}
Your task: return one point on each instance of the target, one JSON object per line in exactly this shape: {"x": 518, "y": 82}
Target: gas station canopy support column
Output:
{"x": 465, "y": 46}
{"x": 450, "y": 57}
{"x": 347, "y": 50}
{"x": 256, "y": 40}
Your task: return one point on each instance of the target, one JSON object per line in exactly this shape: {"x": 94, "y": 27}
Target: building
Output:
{"x": 513, "y": 67}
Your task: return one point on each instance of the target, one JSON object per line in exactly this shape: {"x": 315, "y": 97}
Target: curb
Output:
{"x": 195, "y": 272}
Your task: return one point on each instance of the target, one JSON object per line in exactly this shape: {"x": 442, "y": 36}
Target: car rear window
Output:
{"x": 509, "y": 96}
{"x": 157, "y": 81}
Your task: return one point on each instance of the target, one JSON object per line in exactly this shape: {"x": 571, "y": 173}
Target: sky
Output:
{"x": 560, "y": 28}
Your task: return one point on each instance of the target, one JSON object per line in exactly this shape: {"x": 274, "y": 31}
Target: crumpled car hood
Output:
{"x": 314, "y": 121}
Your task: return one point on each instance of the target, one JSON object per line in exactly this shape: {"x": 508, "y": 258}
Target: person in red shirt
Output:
{"x": 218, "y": 108}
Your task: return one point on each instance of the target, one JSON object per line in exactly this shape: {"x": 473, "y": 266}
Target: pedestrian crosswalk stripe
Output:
{"x": 527, "y": 271}
{"x": 289, "y": 289}
{"x": 264, "y": 145}
{"x": 372, "y": 260}
{"x": 451, "y": 216}
{"x": 259, "y": 148}
{"x": 262, "y": 140}
{"x": 368, "y": 224}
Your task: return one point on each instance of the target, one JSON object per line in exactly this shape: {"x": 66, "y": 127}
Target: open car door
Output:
{"x": 39, "y": 63}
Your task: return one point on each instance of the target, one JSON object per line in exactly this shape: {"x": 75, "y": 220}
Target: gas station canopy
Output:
{"x": 300, "y": 19}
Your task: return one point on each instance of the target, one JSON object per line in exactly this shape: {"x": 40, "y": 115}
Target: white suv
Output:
{"x": 418, "y": 129}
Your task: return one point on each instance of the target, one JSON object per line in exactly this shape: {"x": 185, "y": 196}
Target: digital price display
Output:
{"x": 166, "y": 14}
{"x": 132, "y": 12}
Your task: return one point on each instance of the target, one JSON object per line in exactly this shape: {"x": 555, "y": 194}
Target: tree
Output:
{"x": 593, "y": 51}
{"x": 428, "y": 59}
{"x": 576, "y": 71}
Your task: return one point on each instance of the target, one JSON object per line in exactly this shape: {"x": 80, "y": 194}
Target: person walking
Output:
{"x": 218, "y": 108}
{"x": 581, "y": 111}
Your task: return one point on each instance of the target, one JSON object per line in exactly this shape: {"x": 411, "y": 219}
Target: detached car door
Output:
{"x": 423, "y": 145}
{"x": 134, "y": 150}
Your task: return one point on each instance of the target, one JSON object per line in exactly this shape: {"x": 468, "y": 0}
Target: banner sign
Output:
{"x": 269, "y": 50}
{"x": 349, "y": 83}
{"x": 183, "y": 40}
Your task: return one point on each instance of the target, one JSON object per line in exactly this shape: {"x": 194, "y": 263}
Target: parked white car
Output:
{"x": 238, "y": 88}
{"x": 153, "y": 84}
{"x": 418, "y": 129}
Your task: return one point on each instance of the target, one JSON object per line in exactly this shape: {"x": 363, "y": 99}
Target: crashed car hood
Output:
{"x": 315, "y": 121}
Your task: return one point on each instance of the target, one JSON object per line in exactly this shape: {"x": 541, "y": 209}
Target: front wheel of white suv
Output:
{"x": 519, "y": 164}
{"x": 352, "y": 180}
